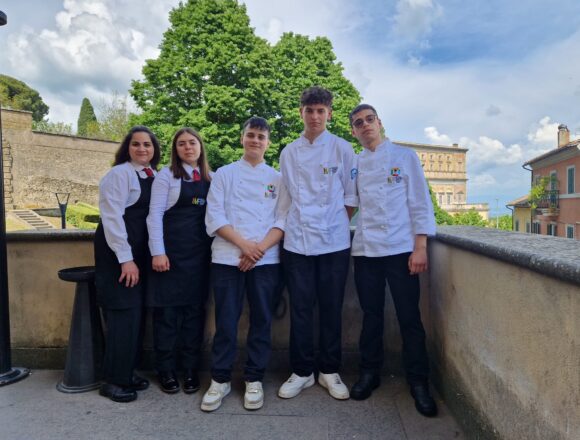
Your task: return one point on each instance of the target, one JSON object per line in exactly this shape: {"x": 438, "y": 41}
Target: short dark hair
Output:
{"x": 176, "y": 165}
{"x": 258, "y": 123}
{"x": 122, "y": 154}
{"x": 360, "y": 108}
{"x": 316, "y": 95}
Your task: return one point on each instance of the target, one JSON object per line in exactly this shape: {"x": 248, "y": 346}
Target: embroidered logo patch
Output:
{"x": 353, "y": 173}
{"x": 329, "y": 170}
{"x": 270, "y": 192}
{"x": 396, "y": 179}
{"x": 198, "y": 201}
{"x": 395, "y": 172}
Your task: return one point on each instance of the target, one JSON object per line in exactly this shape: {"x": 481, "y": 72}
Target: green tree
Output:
{"x": 503, "y": 222}
{"x": 212, "y": 73}
{"x": 300, "y": 62}
{"x": 86, "y": 117}
{"x": 471, "y": 217}
{"x": 46, "y": 126}
{"x": 17, "y": 95}
{"x": 441, "y": 217}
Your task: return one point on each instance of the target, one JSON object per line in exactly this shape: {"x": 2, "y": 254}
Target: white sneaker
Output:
{"x": 254, "y": 396}
{"x": 213, "y": 397}
{"x": 295, "y": 384}
{"x": 334, "y": 385}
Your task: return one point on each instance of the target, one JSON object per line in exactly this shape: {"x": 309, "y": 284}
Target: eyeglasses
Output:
{"x": 369, "y": 119}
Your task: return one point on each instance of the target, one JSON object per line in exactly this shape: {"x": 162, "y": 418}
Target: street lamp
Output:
{"x": 62, "y": 199}
{"x": 8, "y": 374}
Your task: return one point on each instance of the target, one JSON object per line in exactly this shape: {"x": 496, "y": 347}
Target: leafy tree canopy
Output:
{"x": 86, "y": 117}
{"x": 471, "y": 217}
{"x": 213, "y": 73}
{"x": 17, "y": 95}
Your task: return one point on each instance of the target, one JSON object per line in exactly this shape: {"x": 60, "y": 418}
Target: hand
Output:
{"x": 251, "y": 250}
{"x": 246, "y": 264}
{"x": 160, "y": 263}
{"x": 129, "y": 273}
{"x": 418, "y": 261}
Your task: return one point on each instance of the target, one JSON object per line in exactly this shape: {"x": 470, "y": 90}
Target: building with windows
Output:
{"x": 555, "y": 177}
{"x": 445, "y": 170}
{"x": 521, "y": 214}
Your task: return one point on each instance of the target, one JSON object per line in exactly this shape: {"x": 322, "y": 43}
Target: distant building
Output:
{"x": 521, "y": 214}
{"x": 558, "y": 211}
{"x": 445, "y": 170}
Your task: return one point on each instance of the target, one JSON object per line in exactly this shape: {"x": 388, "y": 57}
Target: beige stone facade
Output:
{"x": 445, "y": 170}
{"x": 37, "y": 165}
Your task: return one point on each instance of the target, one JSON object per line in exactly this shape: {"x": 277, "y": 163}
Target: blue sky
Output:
{"x": 494, "y": 76}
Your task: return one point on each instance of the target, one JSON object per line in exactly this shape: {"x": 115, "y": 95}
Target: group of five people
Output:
{"x": 152, "y": 248}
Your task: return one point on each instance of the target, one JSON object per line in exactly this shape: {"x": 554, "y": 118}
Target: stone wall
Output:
{"x": 42, "y": 164}
{"x": 504, "y": 332}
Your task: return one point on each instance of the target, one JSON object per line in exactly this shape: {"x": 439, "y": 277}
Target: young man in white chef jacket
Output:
{"x": 242, "y": 216}
{"x": 390, "y": 243}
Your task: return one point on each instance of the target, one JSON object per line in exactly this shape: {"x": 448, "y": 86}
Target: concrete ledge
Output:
{"x": 51, "y": 235}
{"x": 553, "y": 256}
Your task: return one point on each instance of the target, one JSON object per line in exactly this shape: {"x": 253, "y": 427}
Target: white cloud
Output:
{"x": 487, "y": 150}
{"x": 546, "y": 134}
{"x": 433, "y": 135}
{"x": 415, "y": 18}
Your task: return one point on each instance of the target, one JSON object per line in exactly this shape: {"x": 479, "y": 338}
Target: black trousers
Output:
{"x": 312, "y": 279}
{"x": 230, "y": 285}
{"x": 370, "y": 274}
{"x": 122, "y": 344}
{"x": 178, "y": 329}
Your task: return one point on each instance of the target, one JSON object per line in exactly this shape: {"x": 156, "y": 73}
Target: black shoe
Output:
{"x": 118, "y": 393}
{"x": 168, "y": 382}
{"x": 140, "y": 383}
{"x": 363, "y": 389}
{"x": 423, "y": 400}
{"x": 190, "y": 381}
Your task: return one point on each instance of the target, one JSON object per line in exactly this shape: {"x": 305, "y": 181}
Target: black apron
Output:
{"x": 187, "y": 246}
{"x": 110, "y": 293}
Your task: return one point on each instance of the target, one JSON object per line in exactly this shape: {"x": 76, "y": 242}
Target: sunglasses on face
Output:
{"x": 369, "y": 119}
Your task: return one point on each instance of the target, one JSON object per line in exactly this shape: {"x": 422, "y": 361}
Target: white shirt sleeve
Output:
{"x": 282, "y": 206}
{"x": 215, "y": 214}
{"x": 157, "y": 207}
{"x": 349, "y": 177}
{"x": 420, "y": 206}
{"x": 114, "y": 191}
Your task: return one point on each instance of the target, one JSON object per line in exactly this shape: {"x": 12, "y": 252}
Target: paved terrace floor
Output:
{"x": 34, "y": 410}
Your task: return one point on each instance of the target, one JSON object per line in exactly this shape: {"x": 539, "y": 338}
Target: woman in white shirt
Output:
{"x": 180, "y": 249}
{"x": 121, "y": 256}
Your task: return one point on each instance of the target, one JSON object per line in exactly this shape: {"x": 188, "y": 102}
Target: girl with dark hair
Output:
{"x": 121, "y": 256}
{"x": 180, "y": 249}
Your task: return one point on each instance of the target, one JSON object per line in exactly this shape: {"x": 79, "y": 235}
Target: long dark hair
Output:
{"x": 176, "y": 166}
{"x": 122, "y": 154}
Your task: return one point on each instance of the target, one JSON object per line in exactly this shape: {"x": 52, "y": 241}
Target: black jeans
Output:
{"x": 370, "y": 274}
{"x": 229, "y": 287}
{"x": 310, "y": 279}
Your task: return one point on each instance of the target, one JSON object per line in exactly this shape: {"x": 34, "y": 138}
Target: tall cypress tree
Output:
{"x": 86, "y": 117}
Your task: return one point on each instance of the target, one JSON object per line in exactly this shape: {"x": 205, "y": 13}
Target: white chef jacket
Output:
{"x": 118, "y": 189}
{"x": 246, "y": 198}
{"x": 164, "y": 194}
{"x": 320, "y": 179}
{"x": 394, "y": 202}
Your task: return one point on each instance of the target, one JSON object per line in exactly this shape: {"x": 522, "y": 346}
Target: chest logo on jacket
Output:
{"x": 270, "y": 192}
{"x": 198, "y": 201}
{"x": 395, "y": 176}
{"x": 329, "y": 170}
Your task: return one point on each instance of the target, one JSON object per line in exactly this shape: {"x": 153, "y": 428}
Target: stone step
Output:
{"x": 32, "y": 219}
